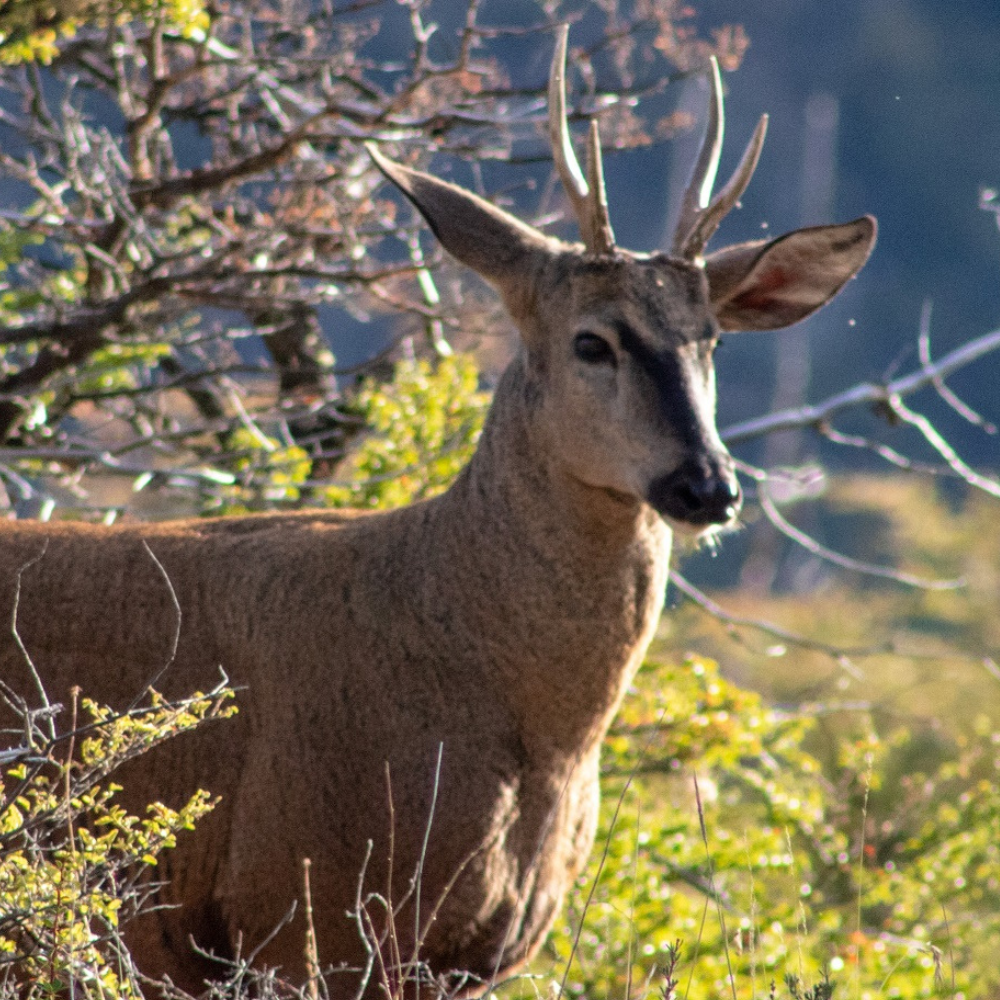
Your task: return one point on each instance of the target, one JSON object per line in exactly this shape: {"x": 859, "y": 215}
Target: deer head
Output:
{"x": 617, "y": 346}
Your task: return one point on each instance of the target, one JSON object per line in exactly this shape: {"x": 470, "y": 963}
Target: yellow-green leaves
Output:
{"x": 69, "y": 852}
{"x": 424, "y": 427}
{"x": 34, "y": 30}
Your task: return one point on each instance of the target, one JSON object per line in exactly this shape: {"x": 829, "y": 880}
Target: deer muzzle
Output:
{"x": 701, "y": 492}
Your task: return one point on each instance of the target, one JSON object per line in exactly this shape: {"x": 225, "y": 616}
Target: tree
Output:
{"x": 197, "y": 218}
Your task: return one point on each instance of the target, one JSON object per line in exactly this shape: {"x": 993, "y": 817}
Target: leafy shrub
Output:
{"x": 424, "y": 425}
{"x": 774, "y": 868}
{"x": 72, "y": 861}
{"x": 35, "y": 30}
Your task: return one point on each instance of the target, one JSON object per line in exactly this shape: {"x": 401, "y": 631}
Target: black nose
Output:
{"x": 698, "y": 493}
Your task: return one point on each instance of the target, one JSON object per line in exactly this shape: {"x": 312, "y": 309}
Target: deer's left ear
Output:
{"x": 768, "y": 285}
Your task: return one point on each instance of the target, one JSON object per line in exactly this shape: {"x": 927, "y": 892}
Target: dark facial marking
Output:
{"x": 671, "y": 382}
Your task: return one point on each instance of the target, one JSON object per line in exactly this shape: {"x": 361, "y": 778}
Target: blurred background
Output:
{"x": 886, "y": 108}
{"x": 890, "y": 109}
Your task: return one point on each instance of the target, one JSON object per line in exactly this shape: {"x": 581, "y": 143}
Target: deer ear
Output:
{"x": 768, "y": 285}
{"x": 494, "y": 244}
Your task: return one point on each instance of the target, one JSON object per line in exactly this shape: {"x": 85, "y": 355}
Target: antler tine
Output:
{"x": 699, "y": 189}
{"x": 589, "y": 200}
{"x": 562, "y": 148}
{"x": 708, "y": 221}
{"x": 602, "y": 238}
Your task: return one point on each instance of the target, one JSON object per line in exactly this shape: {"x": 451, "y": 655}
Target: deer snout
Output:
{"x": 700, "y": 493}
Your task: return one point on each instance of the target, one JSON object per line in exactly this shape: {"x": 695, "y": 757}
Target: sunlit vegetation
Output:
{"x": 74, "y": 865}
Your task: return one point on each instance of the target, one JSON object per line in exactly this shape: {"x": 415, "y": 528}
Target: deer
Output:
{"x": 423, "y": 692}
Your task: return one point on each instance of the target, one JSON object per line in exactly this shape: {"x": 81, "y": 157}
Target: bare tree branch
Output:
{"x": 938, "y": 443}
{"x": 810, "y": 544}
{"x": 865, "y": 393}
{"x": 924, "y": 350}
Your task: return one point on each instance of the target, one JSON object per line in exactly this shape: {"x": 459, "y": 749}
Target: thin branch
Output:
{"x": 49, "y": 712}
{"x": 176, "y": 639}
{"x": 421, "y": 862}
{"x": 938, "y": 443}
{"x": 810, "y": 544}
{"x": 197, "y": 182}
{"x": 843, "y": 656}
{"x": 890, "y": 455}
{"x": 924, "y": 350}
{"x": 711, "y": 882}
{"x": 860, "y": 395}
{"x": 108, "y": 461}
{"x": 733, "y": 623}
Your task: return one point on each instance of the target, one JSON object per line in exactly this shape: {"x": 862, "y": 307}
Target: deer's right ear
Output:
{"x": 490, "y": 241}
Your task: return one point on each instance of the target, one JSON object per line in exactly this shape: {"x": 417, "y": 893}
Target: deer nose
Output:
{"x": 698, "y": 493}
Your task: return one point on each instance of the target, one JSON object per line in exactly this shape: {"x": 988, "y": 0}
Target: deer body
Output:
{"x": 501, "y": 622}
{"x": 497, "y": 625}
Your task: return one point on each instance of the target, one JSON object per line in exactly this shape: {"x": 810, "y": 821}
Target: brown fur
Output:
{"x": 360, "y": 641}
{"x": 500, "y": 622}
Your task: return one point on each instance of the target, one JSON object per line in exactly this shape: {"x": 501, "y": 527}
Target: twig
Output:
{"x": 640, "y": 757}
{"x": 859, "y": 395}
{"x": 74, "y": 694}
{"x": 395, "y": 958}
{"x": 869, "y": 764}
{"x": 883, "y": 451}
{"x": 575, "y": 947}
{"x": 938, "y": 443}
{"x": 359, "y": 913}
{"x": 711, "y": 880}
{"x": 838, "y": 559}
{"x": 312, "y": 952}
{"x": 733, "y": 623}
{"x": 175, "y": 643}
{"x": 631, "y": 917}
{"x": 924, "y": 350}
{"x": 49, "y": 714}
{"x": 697, "y": 948}
{"x": 418, "y": 930}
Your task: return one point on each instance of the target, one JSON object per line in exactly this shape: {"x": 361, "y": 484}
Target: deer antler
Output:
{"x": 589, "y": 199}
{"x": 700, "y": 217}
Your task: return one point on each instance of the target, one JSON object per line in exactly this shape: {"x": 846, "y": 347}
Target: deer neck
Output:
{"x": 568, "y": 580}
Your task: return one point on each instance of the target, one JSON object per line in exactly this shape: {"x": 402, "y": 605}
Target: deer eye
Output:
{"x": 593, "y": 350}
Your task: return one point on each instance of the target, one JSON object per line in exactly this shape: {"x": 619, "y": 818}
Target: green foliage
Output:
{"x": 12, "y": 244}
{"x": 34, "y": 30}
{"x": 118, "y": 366}
{"x": 420, "y": 427}
{"x": 659, "y": 881}
{"x": 424, "y": 427}
{"x": 803, "y": 873}
{"x": 71, "y": 857}
{"x": 16, "y": 298}
{"x": 269, "y": 474}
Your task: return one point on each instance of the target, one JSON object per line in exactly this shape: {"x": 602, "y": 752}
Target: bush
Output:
{"x": 73, "y": 864}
